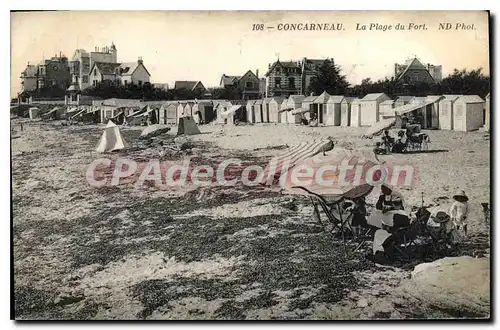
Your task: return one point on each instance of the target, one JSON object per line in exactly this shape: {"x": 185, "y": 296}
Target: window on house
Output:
{"x": 291, "y": 82}
{"x": 277, "y": 82}
{"x": 85, "y": 79}
{"x": 140, "y": 82}
{"x": 278, "y": 71}
{"x": 249, "y": 84}
{"x": 95, "y": 72}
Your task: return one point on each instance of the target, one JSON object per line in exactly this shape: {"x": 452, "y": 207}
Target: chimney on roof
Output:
{"x": 396, "y": 69}
{"x": 257, "y": 73}
{"x": 139, "y": 60}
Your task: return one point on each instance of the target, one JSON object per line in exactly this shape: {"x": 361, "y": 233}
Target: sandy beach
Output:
{"x": 239, "y": 252}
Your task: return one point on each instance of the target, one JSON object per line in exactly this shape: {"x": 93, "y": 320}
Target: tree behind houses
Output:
{"x": 328, "y": 78}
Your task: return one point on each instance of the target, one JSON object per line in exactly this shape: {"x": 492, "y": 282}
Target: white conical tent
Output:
{"x": 111, "y": 139}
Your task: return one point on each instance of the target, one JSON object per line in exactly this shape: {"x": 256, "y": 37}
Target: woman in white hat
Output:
{"x": 459, "y": 209}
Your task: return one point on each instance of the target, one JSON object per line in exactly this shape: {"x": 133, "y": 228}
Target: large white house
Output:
{"x": 130, "y": 73}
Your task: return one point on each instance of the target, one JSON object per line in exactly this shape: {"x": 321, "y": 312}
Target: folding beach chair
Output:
{"x": 331, "y": 195}
{"x": 338, "y": 219}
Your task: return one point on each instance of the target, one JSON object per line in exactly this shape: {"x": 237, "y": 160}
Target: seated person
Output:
{"x": 389, "y": 199}
{"x": 382, "y": 247}
{"x": 379, "y": 149}
{"x": 387, "y": 139}
{"x": 358, "y": 209}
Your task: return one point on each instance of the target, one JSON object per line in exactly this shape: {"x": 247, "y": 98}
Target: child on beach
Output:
{"x": 458, "y": 211}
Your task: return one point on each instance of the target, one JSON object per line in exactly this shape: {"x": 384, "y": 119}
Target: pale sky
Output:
{"x": 204, "y": 45}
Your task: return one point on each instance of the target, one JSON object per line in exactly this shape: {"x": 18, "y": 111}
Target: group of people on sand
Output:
{"x": 390, "y": 144}
{"x": 390, "y": 216}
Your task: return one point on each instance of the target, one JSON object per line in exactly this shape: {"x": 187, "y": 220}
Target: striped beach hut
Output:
{"x": 180, "y": 111}
{"x": 356, "y": 112}
{"x": 446, "y": 111}
{"x": 274, "y": 107}
{"x": 250, "y": 113}
{"x": 334, "y": 109}
{"x": 320, "y": 107}
{"x": 308, "y": 103}
{"x": 188, "y": 107}
{"x": 265, "y": 109}
{"x": 345, "y": 111}
{"x": 169, "y": 112}
{"x": 283, "y": 113}
{"x": 203, "y": 109}
{"x": 257, "y": 109}
{"x": 294, "y": 103}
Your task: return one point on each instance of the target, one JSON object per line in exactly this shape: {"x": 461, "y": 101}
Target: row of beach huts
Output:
{"x": 447, "y": 112}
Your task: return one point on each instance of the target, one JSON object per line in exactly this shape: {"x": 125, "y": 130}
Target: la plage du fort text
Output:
{"x": 444, "y": 26}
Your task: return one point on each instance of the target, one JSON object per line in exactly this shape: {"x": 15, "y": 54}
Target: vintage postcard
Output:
{"x": 250, "y": 165}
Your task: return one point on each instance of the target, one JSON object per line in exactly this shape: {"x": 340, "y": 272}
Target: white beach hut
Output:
{"x": 334, "y": 110}
{"x": 446, "y": 111}
{"x": 355, "y": 113}
{"x": 370, "y": 108}
{"x": 468, "y": 113}
{"x": 345, "y": 111}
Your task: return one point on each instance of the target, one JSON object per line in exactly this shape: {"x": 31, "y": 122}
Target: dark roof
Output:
{"x": 412, "y": 64}
{"x": 189, "y": 85}
{"x": 229, "y": 80}
{"x": 107, "y": 68}
{"x": 288, "y": 64}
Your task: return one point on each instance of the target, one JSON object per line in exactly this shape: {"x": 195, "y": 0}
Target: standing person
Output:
{"x": 459, "y": 210}
{"x": 200, "y": 118}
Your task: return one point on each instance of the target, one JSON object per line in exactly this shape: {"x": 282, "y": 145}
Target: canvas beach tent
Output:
{"x": 111, "y": 139}
{"x": 377, "y": 128}
{"x": 187, "y": 126}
